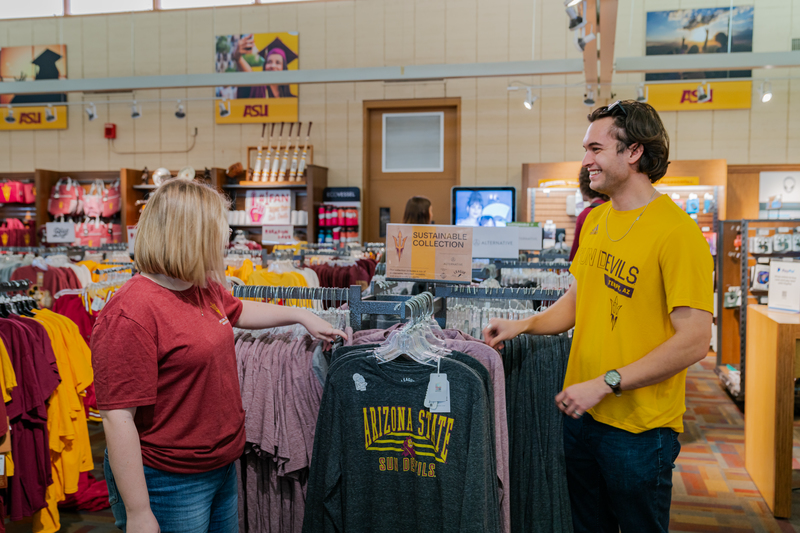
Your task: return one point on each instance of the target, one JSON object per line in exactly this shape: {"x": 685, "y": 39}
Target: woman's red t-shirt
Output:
{"x": 171, "y": 355}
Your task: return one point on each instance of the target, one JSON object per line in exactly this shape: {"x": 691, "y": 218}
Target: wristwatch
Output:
{"x": 613, "y": 380}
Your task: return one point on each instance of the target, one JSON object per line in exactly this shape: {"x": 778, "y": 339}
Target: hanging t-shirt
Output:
{"x": 626, "y": 291}
{"x": 383, "y": 462}
{"x": 171, "y": 354}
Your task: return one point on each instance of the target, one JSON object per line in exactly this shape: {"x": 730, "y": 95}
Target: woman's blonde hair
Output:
{"x": 183, "y": 232}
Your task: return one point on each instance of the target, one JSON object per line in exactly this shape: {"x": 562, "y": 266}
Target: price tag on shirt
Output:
{"x": 437, "y": 398}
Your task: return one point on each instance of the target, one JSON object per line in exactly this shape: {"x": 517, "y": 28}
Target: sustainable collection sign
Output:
{"x": 429, "y": 253}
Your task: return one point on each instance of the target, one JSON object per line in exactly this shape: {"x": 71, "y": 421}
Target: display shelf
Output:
{"x": 267, "y": 185}
{"x": 133, "y": 190}
{"x": 778, "y": 255}
{"x": 310, "y": 190}
{"x": 259, "y": 226}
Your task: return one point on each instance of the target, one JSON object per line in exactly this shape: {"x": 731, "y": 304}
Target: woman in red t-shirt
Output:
{"x": 165, "y": 369}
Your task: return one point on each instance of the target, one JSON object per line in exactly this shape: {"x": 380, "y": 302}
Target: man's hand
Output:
{"x": 500, "y": 330}
{"x": 579, "y": 398}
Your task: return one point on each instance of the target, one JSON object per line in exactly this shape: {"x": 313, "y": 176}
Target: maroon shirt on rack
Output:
{"x": 171, "y": 354}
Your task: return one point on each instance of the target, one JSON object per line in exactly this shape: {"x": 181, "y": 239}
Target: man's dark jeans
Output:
{"x": 617, "y": 479}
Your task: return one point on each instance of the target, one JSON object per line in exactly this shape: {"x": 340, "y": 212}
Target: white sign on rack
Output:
{"x": 784, "y": 286}
{"x": 264, "y": 207}
{"x": 277, "y": 235}
{"x": 530, "y": 235}
{"x": 495, "y": 243}
{"x": 60, "y": 232}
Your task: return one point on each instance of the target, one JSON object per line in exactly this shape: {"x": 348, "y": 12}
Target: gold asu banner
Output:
{"x": 34, "y": 118}
{"x": 683, "y": 96}
{"x": 430, "y": 253}
{"x": 257, "y": 52}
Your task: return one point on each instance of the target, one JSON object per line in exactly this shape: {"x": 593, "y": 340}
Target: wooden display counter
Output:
{"x": 773, "y": 344}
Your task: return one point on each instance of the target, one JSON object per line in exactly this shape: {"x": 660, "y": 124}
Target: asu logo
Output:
{"x": 594, "y": 231}
{"x": 5, "y": 239}
{"x": 6, "y": 192}
{"x": 399, "y": 244}
{"x": 224, "y": 319}
{"x": 615, "y": 307}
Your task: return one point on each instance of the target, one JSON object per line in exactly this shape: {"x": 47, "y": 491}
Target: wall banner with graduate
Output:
{"x": 257, "y": 52}
{"x": 19, "y": 64}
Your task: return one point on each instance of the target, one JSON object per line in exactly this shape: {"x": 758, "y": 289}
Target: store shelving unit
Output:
{"x": 133, "y": 190}
{"x": 733, "y": 268}
{"x": 307, "y": 195}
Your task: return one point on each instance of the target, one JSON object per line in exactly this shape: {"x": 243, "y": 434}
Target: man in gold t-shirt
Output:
{"x": 641, "y": 306}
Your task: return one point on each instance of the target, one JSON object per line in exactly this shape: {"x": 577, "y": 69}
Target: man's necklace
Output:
{"x": 634, "y": 222}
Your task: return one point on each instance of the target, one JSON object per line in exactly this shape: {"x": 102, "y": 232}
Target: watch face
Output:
{"x": 613, "y": 378}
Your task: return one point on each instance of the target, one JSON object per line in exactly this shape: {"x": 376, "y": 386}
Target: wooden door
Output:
{"x": 393, "y": 189}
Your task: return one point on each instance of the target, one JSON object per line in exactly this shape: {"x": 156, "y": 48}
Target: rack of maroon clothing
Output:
{"x": 335, "y": 274}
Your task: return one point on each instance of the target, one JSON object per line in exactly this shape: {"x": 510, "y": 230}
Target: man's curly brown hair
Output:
{"x": 639, "y": 123}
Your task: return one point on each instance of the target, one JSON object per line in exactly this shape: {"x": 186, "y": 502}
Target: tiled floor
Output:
{"x": 712, "y": 491}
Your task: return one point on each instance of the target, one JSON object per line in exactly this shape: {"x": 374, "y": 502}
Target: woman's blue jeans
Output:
{"x": 185, "y": 503}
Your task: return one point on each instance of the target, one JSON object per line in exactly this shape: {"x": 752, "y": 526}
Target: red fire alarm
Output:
{"x": 111, "y": 131}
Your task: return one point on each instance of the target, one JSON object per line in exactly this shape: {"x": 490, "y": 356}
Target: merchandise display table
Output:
{"x": 773, "y": 344}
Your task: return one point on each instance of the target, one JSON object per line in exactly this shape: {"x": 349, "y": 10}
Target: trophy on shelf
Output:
{"x": 273, "y": 173}
{"x": 285, "y": 160}
{"x": 301, "y": 167}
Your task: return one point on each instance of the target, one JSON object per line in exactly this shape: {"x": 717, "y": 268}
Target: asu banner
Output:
{"x": 34, "y": 118}
{"x": 24, "y": 64}
{"x": 257, "y": 52}
{"x": 683, "y": 96}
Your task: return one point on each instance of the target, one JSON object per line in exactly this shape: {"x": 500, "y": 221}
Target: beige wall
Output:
{"x": 498, "y": 134}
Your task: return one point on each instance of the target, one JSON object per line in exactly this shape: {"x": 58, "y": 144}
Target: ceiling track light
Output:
{"x": 642, "y": 93}
{"x": 136, "y": 111}
{"x": 703, "y": 93}
{"x": 589, "y": 96}
{"x": 50, "y": 114}
{"x": 766, "y": 91}
{"x": 576, "y": 21}
{"x": 581, "y": 39}
{"x": 530, "y": 99}
{"x": 10, "y": 115}
{"x": 180, "y": 111}
{"x": 91, "y": 112}
{"x": 224, "y": 108}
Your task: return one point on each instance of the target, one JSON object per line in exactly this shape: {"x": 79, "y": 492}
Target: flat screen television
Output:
{"x": 483, "y": 206}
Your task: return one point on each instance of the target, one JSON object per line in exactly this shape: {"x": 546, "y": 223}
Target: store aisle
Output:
{"x": 712, "y": 491}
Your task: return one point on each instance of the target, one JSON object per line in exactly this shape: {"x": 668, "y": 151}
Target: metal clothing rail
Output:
{"x": 114, "y": 269}
{"x": 291, "y": 293}
{"x": 351, "y": 296}
{"x": 16, "y": 285}
{"x": 503, "y": 293}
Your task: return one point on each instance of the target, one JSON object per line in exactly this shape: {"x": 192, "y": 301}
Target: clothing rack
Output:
{"x": 14, "y": 286}
{"x": 119, "y": 263}
{"x": 388, "y": 305}
{"x": 503, "y": 293}
{"x": 113, "y": 269}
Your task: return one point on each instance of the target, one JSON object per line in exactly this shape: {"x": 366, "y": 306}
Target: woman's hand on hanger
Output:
{"x": 321, "y": 329}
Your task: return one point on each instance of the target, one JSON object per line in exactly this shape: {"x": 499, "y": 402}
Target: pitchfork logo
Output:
{"x": 399, "y": 244}
{"x": 615, "y": 307}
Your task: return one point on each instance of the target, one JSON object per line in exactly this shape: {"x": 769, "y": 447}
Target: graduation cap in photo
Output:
{"x": 46, "y": 61}
{"x": 47, "y": 65}
{"x": 284, "y": 50}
